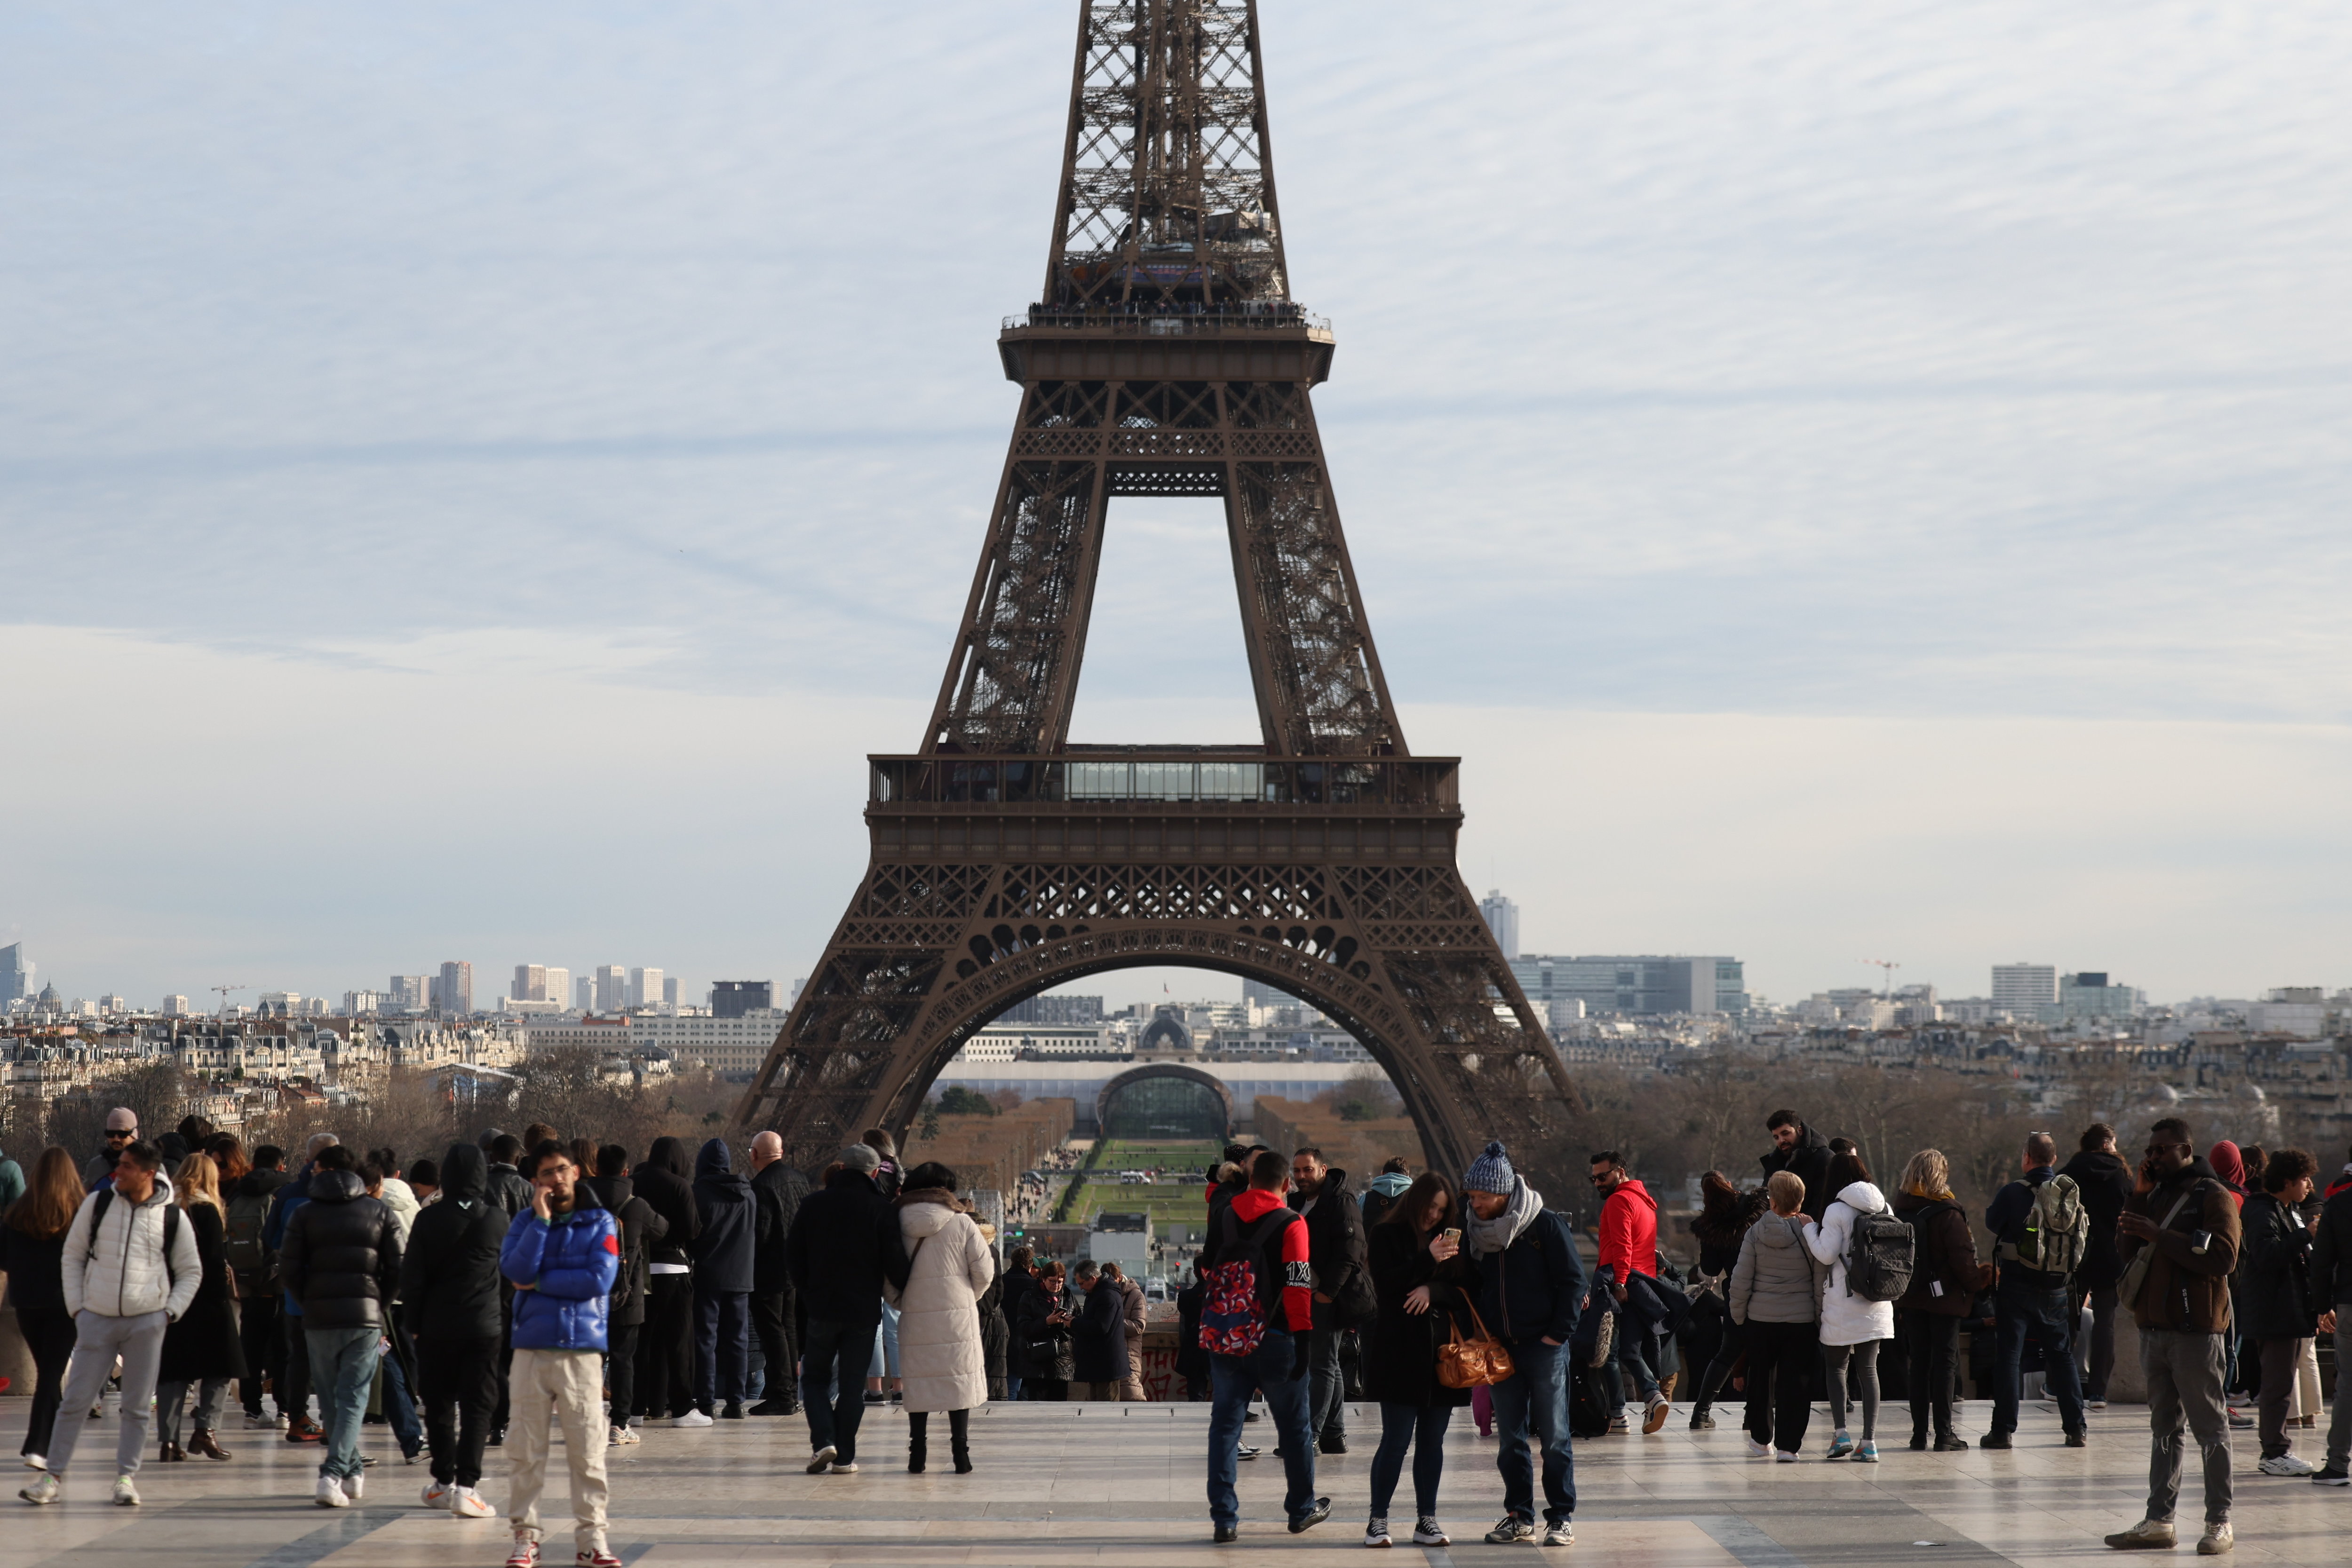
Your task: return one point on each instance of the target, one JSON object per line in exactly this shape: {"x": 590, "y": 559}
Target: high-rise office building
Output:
{"x": 559, "y": 986}
{"x": 669, "y": 992}
{"x": 1258, "y": 994}
{"x": 612, "y": 987}
{"x": 738, "y": 998}
{"x": 1502, "y": 917}
{"x": 530, "y": 983}
{"x": 2024, "y": 990}
{"x": 456, "y": 987}
{"x": 175, "y": 1007}
{"x": 15, "y": 975}
{"x": 583, "y": 995}
{"x": 645, "y": 987}
{"x": 2089, "y": 994}
{"x": 1642, "y": 986}
{"x": 409, "y": 993}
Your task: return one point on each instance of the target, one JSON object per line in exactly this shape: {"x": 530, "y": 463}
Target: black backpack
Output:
{"x": 1879, "y": 1255}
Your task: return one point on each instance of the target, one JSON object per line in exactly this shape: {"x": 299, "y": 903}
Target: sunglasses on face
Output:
{"x": 122, "y": 1133}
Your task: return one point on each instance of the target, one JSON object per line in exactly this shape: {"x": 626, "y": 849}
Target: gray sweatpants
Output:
{"x": 98, "y": 1339}
{"x": 2184, "y": 1392}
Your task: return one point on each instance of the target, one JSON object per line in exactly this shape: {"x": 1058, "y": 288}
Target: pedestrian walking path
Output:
{"x": 1122, "y": 1484}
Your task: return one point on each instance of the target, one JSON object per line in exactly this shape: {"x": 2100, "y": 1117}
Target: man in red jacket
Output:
{"x": 1259, "y": 1219}
{"x": 1629, "y": 1245}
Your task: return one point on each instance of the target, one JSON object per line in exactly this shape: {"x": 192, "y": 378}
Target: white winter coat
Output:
{"x": 939, "y": 1357}
{"x": 401, "y": 1198}
{"x": 1847, "y": 1319}
{"x": 121, "y": 1272}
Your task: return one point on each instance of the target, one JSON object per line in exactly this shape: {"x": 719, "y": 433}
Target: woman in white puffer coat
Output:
{"x": 1852, "y": 1327}
{"x": 950, "y": 1265}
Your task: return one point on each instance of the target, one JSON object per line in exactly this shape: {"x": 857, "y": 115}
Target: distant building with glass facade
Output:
{"x": 1639, "y": 986}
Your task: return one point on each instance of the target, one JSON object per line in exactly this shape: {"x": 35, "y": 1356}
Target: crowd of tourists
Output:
{"x": 527, "y": 1292}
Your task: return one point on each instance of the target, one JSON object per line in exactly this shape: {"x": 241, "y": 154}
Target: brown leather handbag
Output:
{"x": 1474, "y": 1363}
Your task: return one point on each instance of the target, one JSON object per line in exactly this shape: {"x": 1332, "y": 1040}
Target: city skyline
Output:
{"x": 1879, "y": 518}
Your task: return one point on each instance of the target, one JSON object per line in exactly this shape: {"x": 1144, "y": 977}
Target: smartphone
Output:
{"x": 1452, "y": 1233}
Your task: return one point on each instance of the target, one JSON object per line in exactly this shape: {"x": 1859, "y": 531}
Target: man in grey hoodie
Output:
{"x": 130, "y": 1268}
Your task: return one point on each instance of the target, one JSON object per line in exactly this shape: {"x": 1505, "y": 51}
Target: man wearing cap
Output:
{"x": 121, "y": 1132}
{"x": 844, "y": 1243}
{"x": 1531, "y": 1287}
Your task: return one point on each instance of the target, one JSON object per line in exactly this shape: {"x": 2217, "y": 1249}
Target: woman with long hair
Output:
{"x": 32, "y": 1253}
{"x": 1421, "y": 1284}
{"x": 1723, "y": 1217}
{"x": 1944, "y": 1277}
{"x": 940, "y": 1357}
{"x": 229, "y": 1159}
{"x": 202, "y": 1349}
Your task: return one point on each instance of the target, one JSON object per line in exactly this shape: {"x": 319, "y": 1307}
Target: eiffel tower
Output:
{"x": 1165, "y": 356}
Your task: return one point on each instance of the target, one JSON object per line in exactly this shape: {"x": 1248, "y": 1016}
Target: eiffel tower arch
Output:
{"x": 1165, "y": 356}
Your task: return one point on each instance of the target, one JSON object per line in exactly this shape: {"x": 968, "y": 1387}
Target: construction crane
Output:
{"x": 1887, "y": 993}
{"x": 225, "y": 991}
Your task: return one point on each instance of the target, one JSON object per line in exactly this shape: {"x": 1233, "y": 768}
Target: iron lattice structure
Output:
{"x": 1164, "y": 357}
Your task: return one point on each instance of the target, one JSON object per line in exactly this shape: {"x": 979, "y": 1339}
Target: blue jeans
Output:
{"x": 1629, "y": 1351}
{"x": 722, "y": 1346}
{"x": 1536, "y": 1397}
{"x": 400, "y": 1407}
{"x": 2017, "y": 1307}
{"x": 834, "y": 1406}
{"x": 1234, "y": 1379}
{"x": 343, "y": 1369}
{"x": 1011, "y": 1387}
{"x": 1421, "y": 1428}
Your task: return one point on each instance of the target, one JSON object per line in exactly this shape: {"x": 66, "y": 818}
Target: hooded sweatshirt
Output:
{"x": 1298, "y": 1274}
{"x": 1629, "y": 1231}
{"x": 1846, "y": 1317}
{"x": 662, "y": 1182}
{"x": 723, "y": 1250}
{"x": 449, "y": 1272}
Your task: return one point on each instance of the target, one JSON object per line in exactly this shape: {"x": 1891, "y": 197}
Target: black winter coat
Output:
{"x": 1098, "y": 1338}
{"x": 1335, "y": 1250}
{"x": 1943, "y": 1251}
{"x": 449, "y": 1274}
{"x": 640, "y": 1229}
{"x": 508, "y": 1190}
{"x": 205, "y": 1341}
{"x": 1400, "y": 1360}
{"x": 662, "y": 1182}
{"x": 845, "y": 1242}
{"x": 36, "y": 1268}
{"x": 1533, "y": 1288}
{"x": 342, "y": 1257}
{"x": 723, "y": 1250}
{"x": 2275, "y": 1272}
{"x": 2104, "y": 1182}
{"x": 779, "y": 1189}
{"x": 2331, "y": 1252}
{"x": 1810, "y": 1159}
{"x": 1041, "y": 1349}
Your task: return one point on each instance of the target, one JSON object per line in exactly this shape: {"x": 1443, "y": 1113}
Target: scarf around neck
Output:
{"x": 1494, "y": 1235}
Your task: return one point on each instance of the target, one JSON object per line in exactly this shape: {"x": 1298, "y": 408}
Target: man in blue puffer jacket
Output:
{"x": 561, "y": 1255}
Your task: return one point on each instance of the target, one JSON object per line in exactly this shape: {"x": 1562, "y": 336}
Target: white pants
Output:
{"x": 569, "y": 1387}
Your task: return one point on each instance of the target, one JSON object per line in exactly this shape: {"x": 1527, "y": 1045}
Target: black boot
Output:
{"x": 958, "y": 1438}
{"x": 918, "y": 1438}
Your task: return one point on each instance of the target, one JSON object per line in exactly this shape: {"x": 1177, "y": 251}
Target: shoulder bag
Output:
{"x": 1477, "y": 1361}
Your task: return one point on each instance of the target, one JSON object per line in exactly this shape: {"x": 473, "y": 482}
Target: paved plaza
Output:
{"x": 1122, "y": 1485}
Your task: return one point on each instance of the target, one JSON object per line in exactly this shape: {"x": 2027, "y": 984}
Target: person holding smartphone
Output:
{"x": 1421, "y": 1285}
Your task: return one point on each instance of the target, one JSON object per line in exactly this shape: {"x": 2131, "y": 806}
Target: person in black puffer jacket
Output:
{"x": 341, "y": 1261}
{"x": 664, "y": 1382}
{"x": 450, "y": 1305}
{"x": 843, "y": 1244}
{"x": 625, "y": 1318}
{"x": 2105, "y": 1181}
{"x": 722, "y": 1280}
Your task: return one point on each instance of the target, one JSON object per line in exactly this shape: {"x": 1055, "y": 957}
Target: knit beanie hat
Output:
{"x": 1490, "y": 1172}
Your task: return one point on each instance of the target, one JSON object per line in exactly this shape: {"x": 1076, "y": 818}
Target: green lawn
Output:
{"x": 1126, "y": 1155}
{"x": 1177, "y": 1198}
{"x": 1164, "y": 1201}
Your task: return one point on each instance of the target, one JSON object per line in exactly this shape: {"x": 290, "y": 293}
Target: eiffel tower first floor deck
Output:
{"x": 1122, "y": 1485}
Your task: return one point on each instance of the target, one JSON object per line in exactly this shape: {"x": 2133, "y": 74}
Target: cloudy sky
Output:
{"x": 1852, "y": 482}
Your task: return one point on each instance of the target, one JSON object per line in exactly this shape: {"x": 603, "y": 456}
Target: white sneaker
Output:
{"x": 2096, "y": 1404}
{"x": 436, "y": 1495}
{"x": 126, "y": 1494}
{"x": 839, "y": 1469}
{"x": 2217, "y": 1538}
{"x": 694, "y": 1419}
{"x": 1783, "y": 1457}
{"x": 42, "y": 1489}
{"x": 355, "y": 1485}
{"x": 467, "y": 1503}
{"x": 2148, "y": 1535}
{"x": 260, "y": 1423}
{"x": 279, "y": 1421}
{"x": 331, "y": 1493}
{"x": 1560, "y": 1534}
{"x": 1757, "y": 1450}
{"x": 616, "y": 1437}
{"x": 36, "y": 1461}
{"x": 820, "y": 1461}
{"x": 2287, "y": 1465}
